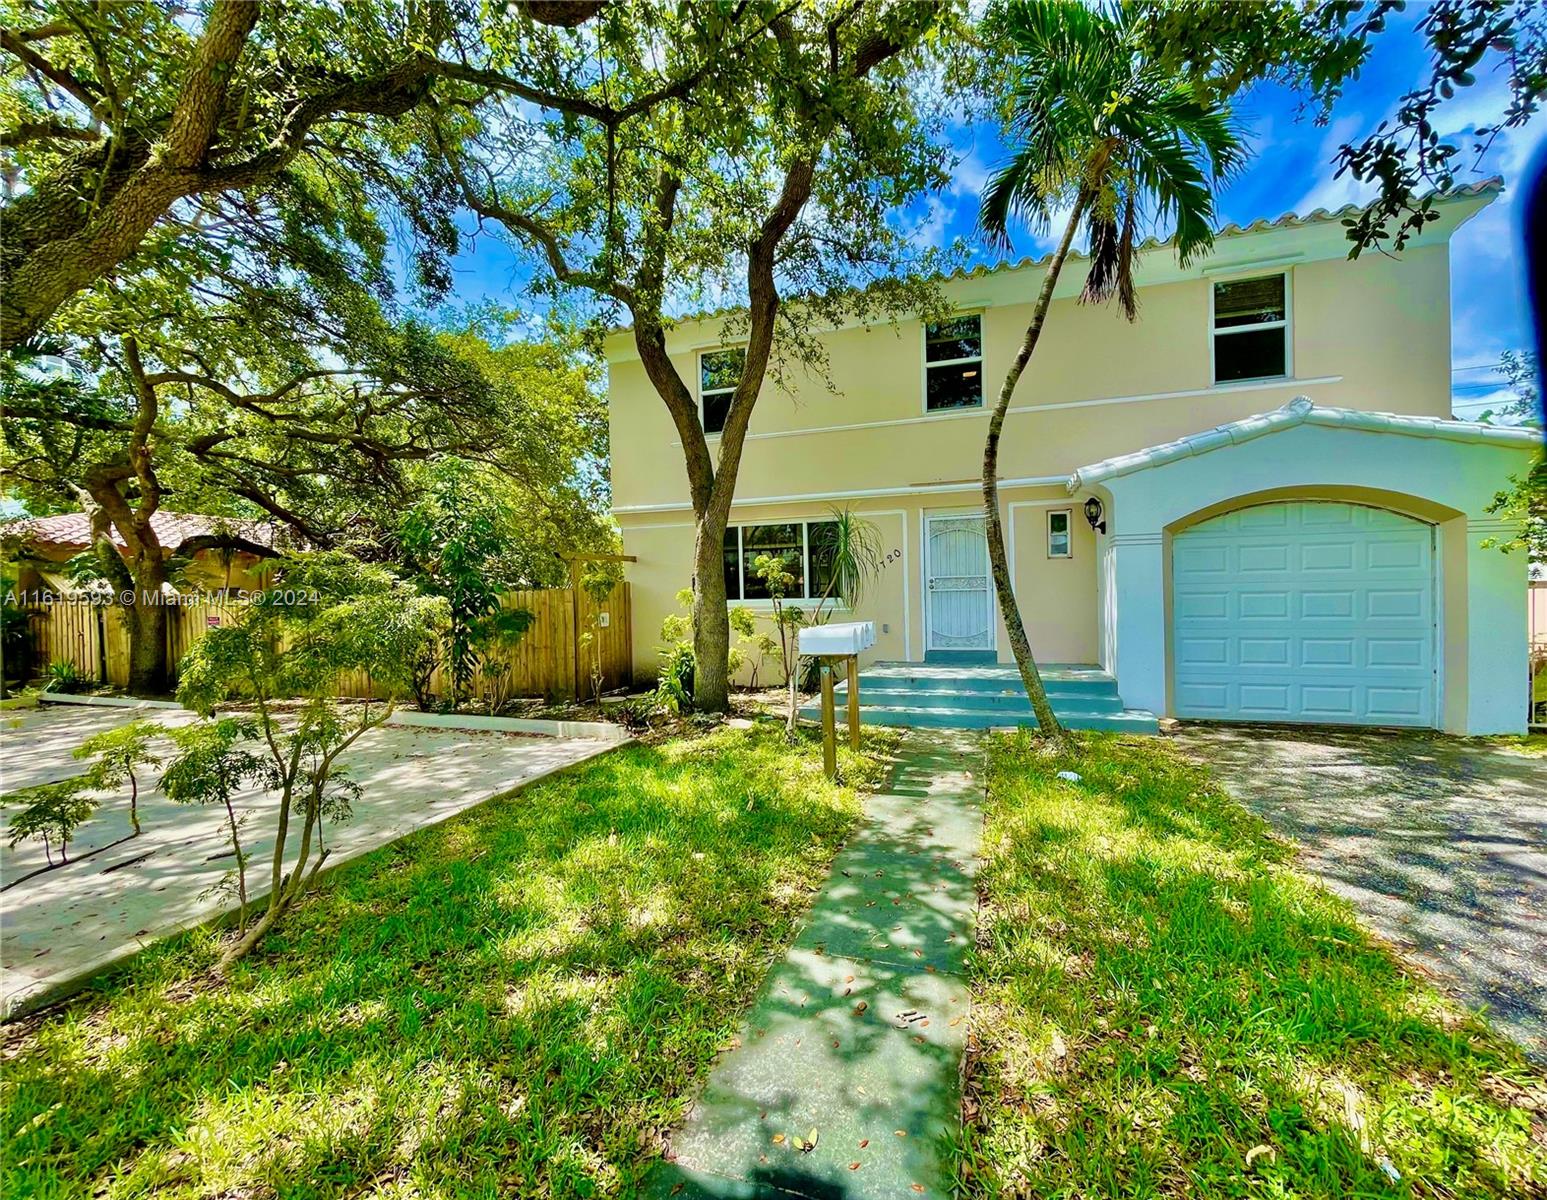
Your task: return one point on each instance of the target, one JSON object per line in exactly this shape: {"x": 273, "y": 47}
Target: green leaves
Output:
{"x": 51, "y": 812}
{"x": 214, "y": 761}
{"x": 456, "y": 540}
{"x": 326, "y": 614}
{"x": 1093, "y": 116}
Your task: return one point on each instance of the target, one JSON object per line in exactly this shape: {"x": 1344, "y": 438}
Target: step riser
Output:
{"x": 943, "y": 719}
{"x": 1011, "y": 702}
{"x": 904, "y": 683}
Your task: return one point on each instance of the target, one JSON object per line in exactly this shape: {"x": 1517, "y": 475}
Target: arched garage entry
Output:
{"x": 1430, "y": 480}
{"x": 1305, "y": 610}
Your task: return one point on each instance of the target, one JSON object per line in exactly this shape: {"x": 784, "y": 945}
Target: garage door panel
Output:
{"x": 1305, "y": 612}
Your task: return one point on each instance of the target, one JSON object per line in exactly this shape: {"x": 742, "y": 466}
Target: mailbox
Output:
{"x": 844, "y": 639}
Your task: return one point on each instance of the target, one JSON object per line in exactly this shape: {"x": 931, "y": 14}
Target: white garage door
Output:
{"x": 1305, "y": 611}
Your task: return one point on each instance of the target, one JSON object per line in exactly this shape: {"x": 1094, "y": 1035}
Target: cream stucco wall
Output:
{"x": 1369, "y": 334}
{"x": 1058, "y": 596}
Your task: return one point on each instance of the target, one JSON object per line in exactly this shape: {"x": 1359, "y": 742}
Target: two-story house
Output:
{"x": 1251, "y": 504}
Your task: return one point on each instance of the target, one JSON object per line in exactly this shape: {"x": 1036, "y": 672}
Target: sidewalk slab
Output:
{"x": 858, "y": 1033}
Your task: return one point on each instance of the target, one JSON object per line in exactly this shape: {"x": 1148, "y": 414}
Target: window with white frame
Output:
{"x": 953, "y": 363}
{"x": 807, "y": 548}
{"x": 1060, "y": 533}
{"x": 1251, "y": 328}
{"x": 719, "y": 374}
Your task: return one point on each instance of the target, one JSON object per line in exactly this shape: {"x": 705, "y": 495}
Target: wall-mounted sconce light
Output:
{"x": 1093, "y": 511}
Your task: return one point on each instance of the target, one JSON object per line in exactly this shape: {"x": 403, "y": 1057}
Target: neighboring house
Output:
{"x": 1251, "y": 504}
{"x": 43, "y": 545}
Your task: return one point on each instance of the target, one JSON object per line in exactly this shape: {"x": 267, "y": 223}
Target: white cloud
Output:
{"x": 930, "y": 227}
{"x": 1328, "y": 192}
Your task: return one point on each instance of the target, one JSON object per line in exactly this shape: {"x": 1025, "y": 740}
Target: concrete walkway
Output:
{"x": 856, "y": 1039}
{"x": 63, "y": 926}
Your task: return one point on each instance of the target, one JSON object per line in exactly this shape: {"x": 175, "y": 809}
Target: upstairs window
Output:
{"x": 807, "y": 548}
{"x": 719, "y": 374}
{"x": 1251, "y": 329}
{"x": 953, "y": 364}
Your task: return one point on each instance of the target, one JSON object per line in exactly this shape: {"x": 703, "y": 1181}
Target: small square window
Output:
{"x": 1060, "y": 542}
{"x": 1251, "y": 329}
{"x": 719, "y": 374}
{"x": 953, "y": 363}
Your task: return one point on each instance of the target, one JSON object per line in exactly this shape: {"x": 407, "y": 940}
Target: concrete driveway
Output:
{"x": 119, "y": 893}
{"x": 1441, "y": 843}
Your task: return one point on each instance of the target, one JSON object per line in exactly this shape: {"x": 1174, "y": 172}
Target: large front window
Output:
{"x": 1251, "y": 329}
{"x": 953, "y": 363}
{"x": 807, "y": 548}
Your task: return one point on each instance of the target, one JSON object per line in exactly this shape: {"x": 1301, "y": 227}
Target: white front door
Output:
{"x": 1305, "y": 611}
{"x": 959, "y": 614}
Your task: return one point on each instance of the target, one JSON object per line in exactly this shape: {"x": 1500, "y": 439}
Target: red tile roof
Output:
{"x": 173, "y": 529}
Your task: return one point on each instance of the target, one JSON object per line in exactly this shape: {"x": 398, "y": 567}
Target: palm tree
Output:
{"x": 1115, "y": 137}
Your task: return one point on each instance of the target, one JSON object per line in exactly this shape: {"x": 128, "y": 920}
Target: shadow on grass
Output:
{"x": 517, "y": 1002}
{"x": 1166, "y": 1006}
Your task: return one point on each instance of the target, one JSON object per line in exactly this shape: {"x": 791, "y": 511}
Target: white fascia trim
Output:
{"x": 1299, "y": 411}
{"x": 965, "y": 485}
{"x": 981, "y": 412}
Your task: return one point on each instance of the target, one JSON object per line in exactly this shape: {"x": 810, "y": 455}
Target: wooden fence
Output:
{"x": 549, "y": 660}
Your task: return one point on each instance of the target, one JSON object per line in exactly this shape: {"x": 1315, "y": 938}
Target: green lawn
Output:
{"x": 1165, "y": 1007}
{"x": 516, "y": 1003}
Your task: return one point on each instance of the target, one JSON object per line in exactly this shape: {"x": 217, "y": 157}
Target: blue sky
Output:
{"x": 1291, "y": 171}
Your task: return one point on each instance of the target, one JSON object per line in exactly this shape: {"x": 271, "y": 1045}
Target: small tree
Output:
{"x": 117, "y": 753}
{"x": 327, "y": 615}
{"x": 214, "y": 762}
{"x": 51, "y": 812}
{"x": 774, "y": 571}
{"x": 846, "y": 550}
{"x": 455, "y": 541}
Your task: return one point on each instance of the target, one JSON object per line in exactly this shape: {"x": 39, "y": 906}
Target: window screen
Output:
{"x": 953, "y": 363}
{"x": 719, "y": 373}
{"x": 1251, "y": 329}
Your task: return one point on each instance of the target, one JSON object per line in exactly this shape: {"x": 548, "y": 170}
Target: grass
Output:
{"x": 1164, "y": 1006}
{"x": 518, "y": 1002}
{"x": 1533, "y": 744}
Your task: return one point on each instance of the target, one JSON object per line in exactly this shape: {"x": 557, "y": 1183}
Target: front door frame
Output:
{"x": 956, "y": 514}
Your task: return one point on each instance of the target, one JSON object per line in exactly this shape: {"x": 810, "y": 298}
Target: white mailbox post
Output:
{"x": 830, "y": 644}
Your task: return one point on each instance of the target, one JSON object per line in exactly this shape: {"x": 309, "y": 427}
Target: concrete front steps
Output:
{"x": 939, "y": 696}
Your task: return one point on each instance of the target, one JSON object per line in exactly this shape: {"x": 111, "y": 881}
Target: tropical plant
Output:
{"x": 116, "y": 754}
{"x": 327, "y": 615}
{"x": 848, "y": 547}
{"x": 752, "y": 647}
{"x": 1105, "y": 131}
{"x": 455, "y": 539}
{"x": 51, "y": 812}
{"x": 778, "y": 579}
{"x": 65, "y": 677}
{"x": 214, "y": 761}
{"x": 674, "y": 679}
{"x": 1222, "y": 46}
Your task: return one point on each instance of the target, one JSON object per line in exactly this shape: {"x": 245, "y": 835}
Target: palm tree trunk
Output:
{"x": 998, "y": 557}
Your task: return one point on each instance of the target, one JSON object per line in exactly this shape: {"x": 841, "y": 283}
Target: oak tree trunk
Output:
{"x": 999, "y": 559}
{"x": 711, "y": 618}
{"x": 146, "y": 620}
